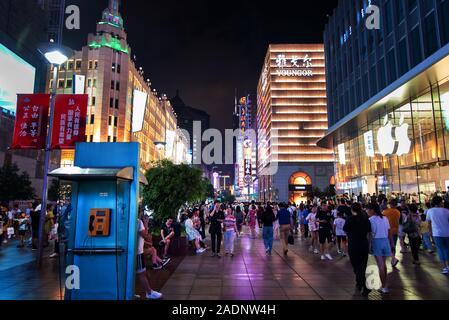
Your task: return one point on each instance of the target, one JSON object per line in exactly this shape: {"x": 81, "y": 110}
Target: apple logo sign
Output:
{"x": 394, "y": 140}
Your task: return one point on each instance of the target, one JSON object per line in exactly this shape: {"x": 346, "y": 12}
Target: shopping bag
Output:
{"x": 53, "y": 233}
{"x": 10, "y": 231}
{"x": 291, "y": 239}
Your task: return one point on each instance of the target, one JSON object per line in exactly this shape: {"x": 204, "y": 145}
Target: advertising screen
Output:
{"x": 139, "y": 104}
{"x": 16, "y": 76}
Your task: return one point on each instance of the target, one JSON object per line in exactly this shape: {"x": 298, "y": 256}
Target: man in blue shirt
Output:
{"x": 285, "y": 224}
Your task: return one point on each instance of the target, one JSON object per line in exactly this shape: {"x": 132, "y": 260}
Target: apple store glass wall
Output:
{"x": 404, "y": 149}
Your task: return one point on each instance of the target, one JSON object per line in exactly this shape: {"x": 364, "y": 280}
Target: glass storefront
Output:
{"x": 404, "y": 149}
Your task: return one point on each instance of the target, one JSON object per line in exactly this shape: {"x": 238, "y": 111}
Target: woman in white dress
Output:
{"x": 193, "y": 234}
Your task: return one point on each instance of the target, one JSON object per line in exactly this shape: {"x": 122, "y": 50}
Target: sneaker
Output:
{"x": 445, "y": 271}
{"x": 154, "y": 295}
{"x": 310, "y": 249}
{"x": 218, "y": 255}
{"x": 232, "y": 255}
{"x": 323, "y": 258}
{"x": 343, "y": 254}
{"x": 329, "y": 257}
{"x": 200, "y": 251}
{"x": 384, "y": 290}
{"x": 339, "y": 252}
{"x": 316, "y": 251}
{"x": 53, "y": 255}
{"x": 394, "y": 262}
{"x": 165, "y": 262}
{"x": 213, "y": 254}
{"x": 156, "y": 267}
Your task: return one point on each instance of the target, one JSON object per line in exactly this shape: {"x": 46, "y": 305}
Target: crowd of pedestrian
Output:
{"x": 21, "y": 226}
{"x": 357, "y": 226}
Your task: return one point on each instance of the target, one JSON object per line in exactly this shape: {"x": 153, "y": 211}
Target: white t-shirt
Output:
{"x": 141, "y": 240}
{"x": 339, "y": 224}
{"x": 439, "y": 217}
{"x": 380, "y": 227}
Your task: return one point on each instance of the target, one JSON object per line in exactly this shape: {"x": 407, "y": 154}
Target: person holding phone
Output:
{"x": 216, "y": 218}
{"x": 167, "y": 233}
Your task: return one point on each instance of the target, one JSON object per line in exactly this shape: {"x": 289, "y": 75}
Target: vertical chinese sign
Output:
{"x": 69, "y": 124}
{"x": 30, "y": 129}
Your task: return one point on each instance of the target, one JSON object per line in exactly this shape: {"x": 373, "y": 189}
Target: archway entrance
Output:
{"x": 299, "y": 184}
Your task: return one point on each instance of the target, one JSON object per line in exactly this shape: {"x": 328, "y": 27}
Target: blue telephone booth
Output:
{"x": 103, "y": 224}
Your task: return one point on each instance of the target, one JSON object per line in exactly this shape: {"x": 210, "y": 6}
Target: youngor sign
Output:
{"x": 69, "y": 124}
{"x": 30, "y": 130}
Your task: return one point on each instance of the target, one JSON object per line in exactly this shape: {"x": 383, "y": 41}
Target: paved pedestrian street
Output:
{"x": 301, "y": 276}
{"x": 249, "y": 275}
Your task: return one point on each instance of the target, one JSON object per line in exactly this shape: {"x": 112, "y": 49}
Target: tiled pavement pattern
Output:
{"x": 249, "y": 275}
{"x": 301, "y": 276}
{"x": 19, "y": 278}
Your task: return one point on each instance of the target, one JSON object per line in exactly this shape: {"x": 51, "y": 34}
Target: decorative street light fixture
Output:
{"x": 55, "y": 55}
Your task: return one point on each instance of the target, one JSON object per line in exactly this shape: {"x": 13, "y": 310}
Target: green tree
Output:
{"x": 209, "y": 189}
{"x": 58, "y": 191}
{"x": 15, "y": 185}
{"x": 171, "y": 186}
{"x": 227, "y": 197}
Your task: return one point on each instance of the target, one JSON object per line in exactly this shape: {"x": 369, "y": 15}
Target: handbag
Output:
{"x": 10, "y": 231}
{"x": 291, "y": 239}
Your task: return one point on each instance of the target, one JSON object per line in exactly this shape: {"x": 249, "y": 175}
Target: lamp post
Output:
{"x": 55, "y": 56}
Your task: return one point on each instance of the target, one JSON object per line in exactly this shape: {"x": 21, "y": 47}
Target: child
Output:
{"x": 425, "y": 233}
{"x": 22, "y": 227}
{"x": 313, "y": 228}
{"x": 339, "y": 224}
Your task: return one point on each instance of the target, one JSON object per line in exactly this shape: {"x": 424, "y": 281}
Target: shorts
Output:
{"x": 324, "y": 235}
{"x": 381, "y": 247}
{"x": 442, "y": 244}
{"x": 342, "y": 238}
{"x": 141, "y": 266}
{"x": 22, "y": 232}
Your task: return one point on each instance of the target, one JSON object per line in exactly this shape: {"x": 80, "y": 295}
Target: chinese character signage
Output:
{"x": 30, "y": 130}
{"x": 295, "y": 66}
{"x": 369, "y": 144}
{"x": 69, "y": 124}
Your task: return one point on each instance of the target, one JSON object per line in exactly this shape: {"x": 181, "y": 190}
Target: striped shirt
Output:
{"x": 229, "y": 223}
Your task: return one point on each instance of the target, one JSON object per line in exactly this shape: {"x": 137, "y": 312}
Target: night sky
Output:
{"x": 207, "y": 48}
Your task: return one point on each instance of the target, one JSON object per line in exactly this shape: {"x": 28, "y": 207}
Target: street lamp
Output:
{"x": 55, "y": 55}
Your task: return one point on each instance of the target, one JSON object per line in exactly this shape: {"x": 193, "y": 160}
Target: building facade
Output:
{"x": 187, "y": 117}
{"x": 388, "y": 92}
{"x": 111, "y": 79}
{"x": 245, "y": 172}
{"x": 291, "y": 118}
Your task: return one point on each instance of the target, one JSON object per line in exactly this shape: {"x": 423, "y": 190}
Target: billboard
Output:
{"x": 139, "y": 106}
{"x": 16, "y": 77}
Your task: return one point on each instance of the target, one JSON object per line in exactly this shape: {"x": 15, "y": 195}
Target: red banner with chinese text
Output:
{"x": 30, "y": 129}
{"x": 69, "y": 122}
